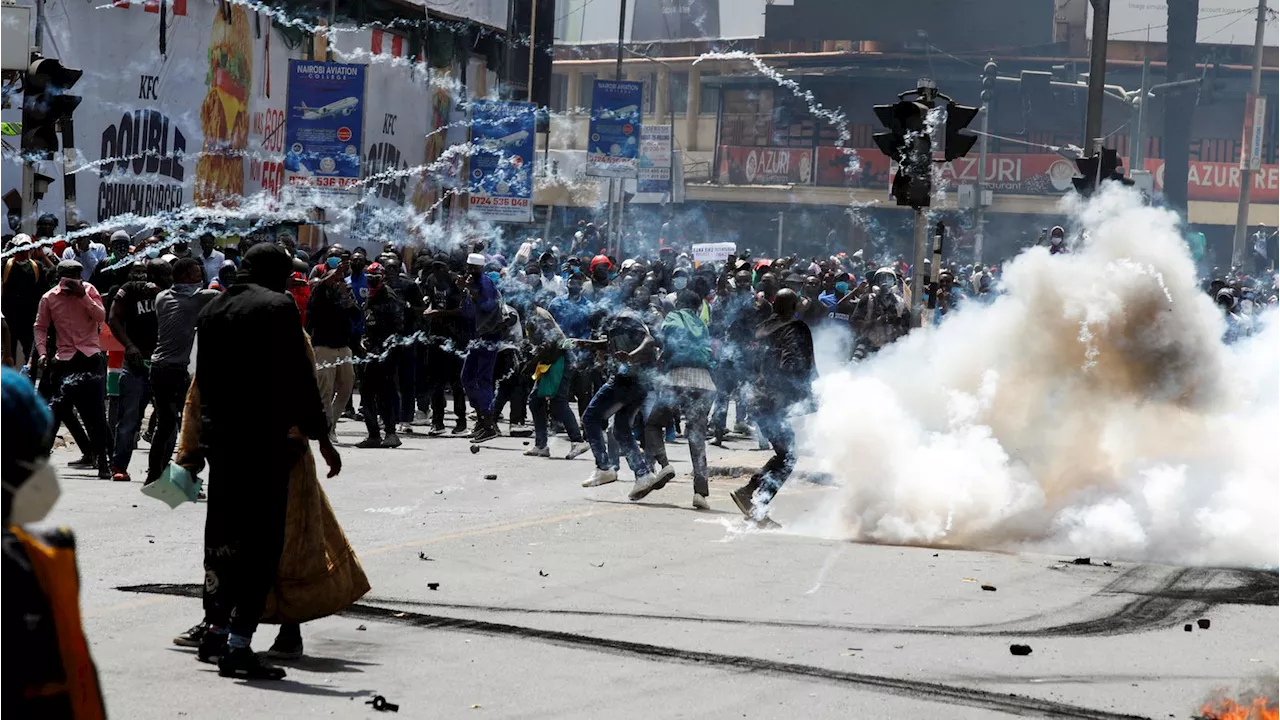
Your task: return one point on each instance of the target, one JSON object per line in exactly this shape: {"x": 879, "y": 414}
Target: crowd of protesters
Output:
{"x": 618, "y": 355}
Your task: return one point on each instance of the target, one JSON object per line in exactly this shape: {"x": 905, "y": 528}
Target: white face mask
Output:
{"x": 33, "y": 499}
{"x": 680, "y": 283}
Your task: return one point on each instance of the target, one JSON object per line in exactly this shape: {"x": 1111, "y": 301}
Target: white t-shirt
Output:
{"x": 212, "y": 265}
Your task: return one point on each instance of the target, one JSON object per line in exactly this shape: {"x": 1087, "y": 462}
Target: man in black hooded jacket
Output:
{"x": 784, "y": 377}
{"x": 256, "y": 383}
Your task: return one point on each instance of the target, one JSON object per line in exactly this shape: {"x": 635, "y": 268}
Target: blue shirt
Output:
{"x": 360, "y": 290}
{"x": 574, "y": 316}
{"x": 359, "y": 287}
{"x": 483, "y": 306}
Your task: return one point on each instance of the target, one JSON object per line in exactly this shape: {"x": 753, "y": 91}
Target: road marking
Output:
{"x": 490, "y": 529}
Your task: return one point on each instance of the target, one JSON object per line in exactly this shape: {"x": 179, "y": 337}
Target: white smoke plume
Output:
{"x": 1092, "y": 409}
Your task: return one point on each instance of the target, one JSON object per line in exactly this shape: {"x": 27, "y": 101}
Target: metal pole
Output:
{"x": 613, "y": 227}
{"x": 38, "y": 45}
{"x": 71, "y": 214}
{"x": 28, "y": 197}
{"x": 671, "y": 138}
{"x": 917, "y": 268}
{"x": 1247, "y": 148}
{"x": 1138, "y": 136}
{"x": 533, "y": 35}
{"x": 978, "y": 220}
{"x": 780, "y": 221}
{"x": 28, "y": 166}
{"x": 1097, "y": 71}
{"x": 934, "y": 271}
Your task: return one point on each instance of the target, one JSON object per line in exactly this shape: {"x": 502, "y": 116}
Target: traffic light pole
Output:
{"x": 979, "y": 210}
{"x": 29, "y": 213}
{"x": 917, "y": 269}
{"x": 71, "y": 214}
{"x": 1247, "y": 148}
{"x": 1097, "y": 71}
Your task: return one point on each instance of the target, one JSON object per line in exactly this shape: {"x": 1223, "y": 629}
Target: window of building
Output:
{"x": 559, "y": 93}
{"x": 650, "y": 81}
{"x": 709, "y": 98}
{"x": 679, "y": 92}
{"x": 585, "y": 88}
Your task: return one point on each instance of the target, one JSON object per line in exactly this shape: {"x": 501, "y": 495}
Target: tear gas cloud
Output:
{"x": 1092, "y": 409}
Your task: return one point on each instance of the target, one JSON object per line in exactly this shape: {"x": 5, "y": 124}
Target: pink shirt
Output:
{"x": 75, "y": 320}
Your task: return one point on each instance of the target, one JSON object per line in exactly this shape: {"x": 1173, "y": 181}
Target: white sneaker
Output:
{"x": 600, "y": 477}
{"x": 577, "y": 449}
{"x": 665, "y": 474}
{"x": 700, "y": 502}
{"x": 645, "y": 484}
{"x": 538, "y": 452}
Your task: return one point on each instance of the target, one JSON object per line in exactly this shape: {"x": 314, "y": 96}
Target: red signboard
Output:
{"x": 1221, "y": 181}
{"x": 1009, "y": 174}
{"x": 1040, "y": 174}
{"x": 766, "y": 165}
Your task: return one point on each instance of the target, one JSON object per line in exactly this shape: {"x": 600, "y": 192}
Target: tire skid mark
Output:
{"x": 1001, "y": 702}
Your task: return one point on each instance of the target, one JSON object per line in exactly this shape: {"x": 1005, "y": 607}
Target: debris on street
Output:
{"x": 380, "y": 704}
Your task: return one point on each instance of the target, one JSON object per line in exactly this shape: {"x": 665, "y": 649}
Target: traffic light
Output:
{"x": 1104, "y": 167}
{"x": 958, "y": 140}
{"x": 46, "y": 101}
{"x": 989, "y": 72}
{"x": 906, "y": 141}
{"x": 900, "y": 119}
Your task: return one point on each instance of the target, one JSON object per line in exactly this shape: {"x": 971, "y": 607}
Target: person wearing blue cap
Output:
{"x": 48, "y": 670}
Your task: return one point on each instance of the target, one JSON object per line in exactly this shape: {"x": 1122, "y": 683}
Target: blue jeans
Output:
{"x": 135, "y": 393}
{"x": 624, "y": 397}
{"x": 477, "y": 375}
{"x": 559, "y": 404}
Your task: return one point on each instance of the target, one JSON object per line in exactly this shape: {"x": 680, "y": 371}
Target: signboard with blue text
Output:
{"x": 501, "y": 187}
{"x": 654, "y": 172}
{"x": 324, "y": 130}
{"x": 613, "y": 140}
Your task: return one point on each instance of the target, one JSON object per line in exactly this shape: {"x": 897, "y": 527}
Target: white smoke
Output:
{"x": 1092, "y": 409}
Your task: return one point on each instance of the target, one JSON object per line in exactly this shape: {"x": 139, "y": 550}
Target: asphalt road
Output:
{"x": 556, "y": 601}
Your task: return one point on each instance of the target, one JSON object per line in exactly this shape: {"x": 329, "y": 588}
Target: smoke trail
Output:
{"x": 1092, "y": 409}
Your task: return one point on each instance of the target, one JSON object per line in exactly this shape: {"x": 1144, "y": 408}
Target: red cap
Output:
{"x": 601, "y": 260}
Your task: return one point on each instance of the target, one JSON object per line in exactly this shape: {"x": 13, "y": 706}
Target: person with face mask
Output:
{"x": 77, "y": 375}
{"x": 1057, "y": 240}
{"x": 107, "y": 277}
{"x": 252, "y": 353}
{"x": 384, "y": 318}
{"x": 25, "y": 281}
{"x": 332, "y": 312}
{"x": 446, "y": 340}
{"x": 49, "y": 672}
{"x": 133, "y": 322}
{"x": 177, "y": 309}
{"x": 552, "y": 282}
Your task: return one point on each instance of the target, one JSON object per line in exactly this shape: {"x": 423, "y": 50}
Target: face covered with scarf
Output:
{"x": 268, "y": 265}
